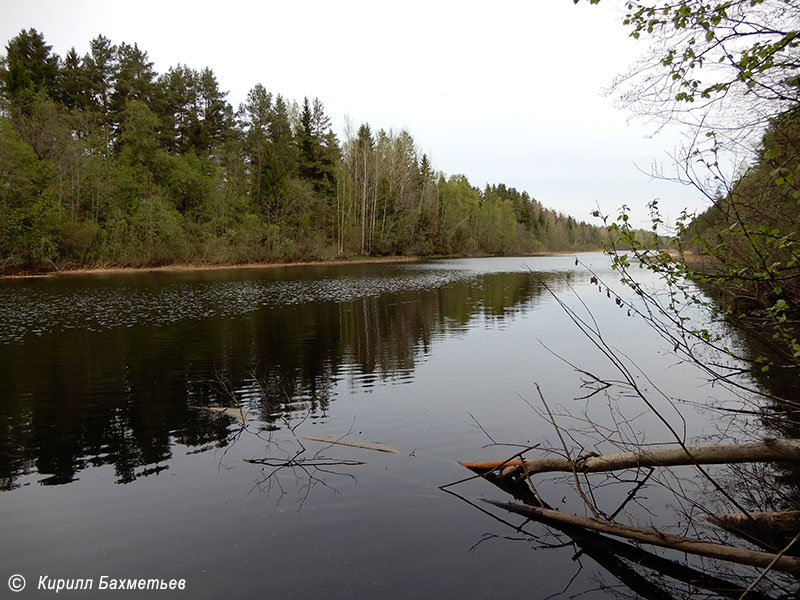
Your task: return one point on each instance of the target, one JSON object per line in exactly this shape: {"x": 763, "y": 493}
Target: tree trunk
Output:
{"x": 766, "y": 451}
{"x": 598, "y": 546}
{"x": 787, "y": 564}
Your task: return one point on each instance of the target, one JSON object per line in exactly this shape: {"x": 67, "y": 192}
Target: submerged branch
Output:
{"x": 787, "y": 564}
{"x": 304, "y": 462}
{"x": 342, "y": 441}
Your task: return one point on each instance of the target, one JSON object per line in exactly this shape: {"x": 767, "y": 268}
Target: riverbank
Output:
{"x": 188, "y": 267}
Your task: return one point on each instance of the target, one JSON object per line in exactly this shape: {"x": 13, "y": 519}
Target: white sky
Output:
{"x": 503, "y": 92}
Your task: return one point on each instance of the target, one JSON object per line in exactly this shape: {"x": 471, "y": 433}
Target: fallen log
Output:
{"x": 304, "y": 462}
{"x": 230, "y": 411}
{"x": 348, "y": 442}
{"x": 787, "y": 564}
{"x": 599, "y": 547}
{"x": 767, "y": 451}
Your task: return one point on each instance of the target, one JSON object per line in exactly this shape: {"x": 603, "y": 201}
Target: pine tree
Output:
{"x": 177, "y": 92}
{"x": 134, "y": 78}
{"x": 100, "y": 67}
{"x": 213, "y": 113}
{"x": 267, "y": 172}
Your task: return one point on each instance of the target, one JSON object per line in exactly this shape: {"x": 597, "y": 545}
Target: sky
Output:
{"x": 506, "y": 92}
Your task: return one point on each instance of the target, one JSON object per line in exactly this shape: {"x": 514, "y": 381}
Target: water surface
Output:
{"x": 111, "y": 465}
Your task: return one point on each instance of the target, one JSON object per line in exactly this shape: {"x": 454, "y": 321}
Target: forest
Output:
{"x": 106, "y": 162}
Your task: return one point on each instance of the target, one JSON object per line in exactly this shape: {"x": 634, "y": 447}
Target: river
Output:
{"x": 113, "y": 463}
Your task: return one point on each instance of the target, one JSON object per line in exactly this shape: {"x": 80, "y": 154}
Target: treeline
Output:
{"x": 105, "y": 161}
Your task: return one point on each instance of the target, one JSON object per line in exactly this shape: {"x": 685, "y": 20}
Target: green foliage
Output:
{"x": 754, "y": 41}
{"x": 156, "y": 227}
{"x": 134, "y": 80}
{"x": 77, "y": 238}
{"x": 28, "y": 69}
{"x": 735, "y": 61}
{"x": 749, "y": 241}
{"x": 138, "y": 144}
{"x": 28, "y": 212}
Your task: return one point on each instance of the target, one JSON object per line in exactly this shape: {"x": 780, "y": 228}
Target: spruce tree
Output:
{"x": 29, "y": 68}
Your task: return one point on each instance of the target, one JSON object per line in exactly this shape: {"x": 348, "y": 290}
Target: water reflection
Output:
{"x": 108, "y": 372}
{"x": 774, "y": 400}
{"x": 646, "y": 573}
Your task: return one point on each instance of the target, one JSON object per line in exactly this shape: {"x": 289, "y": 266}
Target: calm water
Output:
{"x": 110, "y": 465}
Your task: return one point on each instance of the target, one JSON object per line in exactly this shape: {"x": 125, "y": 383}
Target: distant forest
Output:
{"x": 104, "y": 161}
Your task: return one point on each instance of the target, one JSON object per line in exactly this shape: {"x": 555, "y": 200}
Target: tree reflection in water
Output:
{"x": 763, "y": 531}
{"x": 127, "y": 396}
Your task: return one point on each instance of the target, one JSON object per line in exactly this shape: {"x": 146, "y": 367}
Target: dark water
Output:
{"x": 110, "y": 466}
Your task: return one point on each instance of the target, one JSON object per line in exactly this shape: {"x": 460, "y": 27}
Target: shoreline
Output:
{"x": 189, "y": 267}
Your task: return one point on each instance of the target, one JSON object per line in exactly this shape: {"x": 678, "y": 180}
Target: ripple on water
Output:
{"x": 29, "y": 310}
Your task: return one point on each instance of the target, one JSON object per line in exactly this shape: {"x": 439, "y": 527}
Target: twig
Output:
{"x": 771, "y": 565}
{"x": 591, "y": 506}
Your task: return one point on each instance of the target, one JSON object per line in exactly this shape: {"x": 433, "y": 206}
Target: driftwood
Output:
{"x": 771, "y": 530}
{"x": 788, "y": 564}
{"x": 766, "y": 451}
{"x": 348, "y": 442}
{"x": 230, "y": 411}
{"x": 304, "y": 462}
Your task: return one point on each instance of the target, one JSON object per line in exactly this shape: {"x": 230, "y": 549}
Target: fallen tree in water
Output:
{"x": 620, "y": 558}
{"x": 786, "y": 564}
{"x": 777, "y": 533}
{"x": 767, "y": 451}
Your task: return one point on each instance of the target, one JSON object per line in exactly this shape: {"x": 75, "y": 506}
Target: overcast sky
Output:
{"x": 503, "y": 92}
